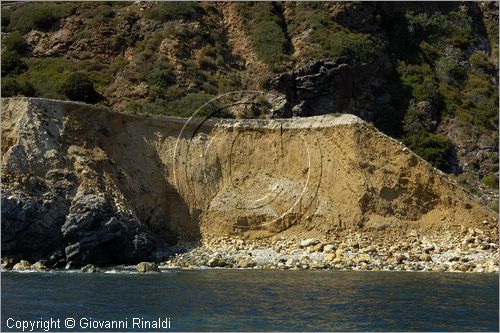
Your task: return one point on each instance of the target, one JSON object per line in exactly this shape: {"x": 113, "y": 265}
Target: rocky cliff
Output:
{"x": 83, "y": 184}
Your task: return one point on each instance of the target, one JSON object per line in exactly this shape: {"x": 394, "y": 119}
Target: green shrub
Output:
{"x": 455, "y": 28}
{"x": 450, "y": 70}
{"x": 264, "y": 82}
{"x": 261, "y": 108}
{"x": 435, "y": 149}
{"x": 149, "y": 44}
{"x": 14, "y": 87}
{"x": 78, "y": 87}
{"x": 460, "y": 29}
{"x": 329, "y": 38}
{"x": 258, "y": 11}
{"x": 173, "y": 93}
{"x": 269, "y": 42}
{"x": 256, "y": 109}
{"x": 431, "y": 51}
{"x": 494, "y": 205}
{"x": 5, "y": 13}
{"x": 420, "y": 81}
{"x": 118, "y": 64}
{"x": 120, "y": 42}
{"x": 309, "y": 15}
{"x": 187, "y": 105}
{"x": 102, "y": 13}
{"x": 39, "y": 15}
{"x": 208, "y": 51}
{"x": 491, "y": 181}
{"x": 12, "y": 63}
{"x": 210, "y": 87}
{"x": 465, "y": 179}
{"x": 422, "y": 25}
{"x": 228, "y": 83}
{"x": 265, "y": 32}
{"x": 479, "y": 60}
{"x": 161, "y": 74}
{"x": 477, "y": 101}
{"x": 171, "y": 10}
{"x": 492, "y": 33}
{"x": 15, "y": 42}
{"x": 131, "y": 17}
{"x": 484, "y": 118}
{"x": 416, "y": 121}
{"x": 352, "y": 45}
{"x": 207, "y": 63}
{"x": 46, "y": 75}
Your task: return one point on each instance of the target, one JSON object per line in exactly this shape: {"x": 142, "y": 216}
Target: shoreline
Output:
{"x": 469, "y": 252}
{"x": 131, "y": 269}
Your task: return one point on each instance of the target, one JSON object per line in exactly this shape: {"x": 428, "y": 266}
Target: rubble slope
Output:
{"x": 84, "y": 184}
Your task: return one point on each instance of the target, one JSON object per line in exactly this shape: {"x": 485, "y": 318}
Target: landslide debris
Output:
{"x": 85, "y": 185}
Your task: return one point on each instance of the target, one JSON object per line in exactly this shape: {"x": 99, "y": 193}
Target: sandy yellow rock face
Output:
{"x": 307, "y": 176}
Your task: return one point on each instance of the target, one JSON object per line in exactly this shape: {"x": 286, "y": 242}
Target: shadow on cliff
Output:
{"x": 141, "y": 177}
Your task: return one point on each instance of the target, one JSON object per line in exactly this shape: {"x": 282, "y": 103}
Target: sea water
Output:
{"x": 243, "y": 300}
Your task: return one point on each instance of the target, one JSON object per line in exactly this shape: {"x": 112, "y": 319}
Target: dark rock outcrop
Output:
{"x": 94, "y": 234}
{"x": 30, "y": 227}
{"x": 333, "y": 85}
{"x": 88, "y": 231}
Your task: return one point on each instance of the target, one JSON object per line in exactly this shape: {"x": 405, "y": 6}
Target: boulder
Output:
{"x": 317, "y": 265}
{"x": 425, "y": 257}
{"x": 90, "y": 269}
{"x": 39, "y": 266}
{"x": 491, "y": 268}
{"x": 464, "y": 267}
{"x": 7, "y": 263}
{"x": 329, "y": 248}
{"x": 330, "y": 257}
{"x": 309, "y": 242}
{"x": 147, "y": 267}
{"x": 23, "y": 265}
{"x": 363, "y": 259}
{"x": 216, "y": 262}
{"x": 438, "y": 268}
{"x": 363, "y": 266}
{"x": 246, "y": 264}
{"x": 337, "y": 260}
{"x": 429, "y": 249}
{"x": 316, "y": 248}
{"x": 396, "y": 259}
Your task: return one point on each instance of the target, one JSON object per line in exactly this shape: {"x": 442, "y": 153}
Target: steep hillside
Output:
{"x": 424, "y": 73}
{"x": 82, "y": 184}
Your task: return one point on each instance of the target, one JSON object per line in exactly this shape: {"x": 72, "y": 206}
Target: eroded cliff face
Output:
{"x": 86, "y": 185}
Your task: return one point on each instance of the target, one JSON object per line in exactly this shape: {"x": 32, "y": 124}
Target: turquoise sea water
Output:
{"x": 242, "y": 300}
